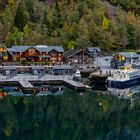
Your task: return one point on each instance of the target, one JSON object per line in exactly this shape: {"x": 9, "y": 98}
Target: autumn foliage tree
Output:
{"x": 70, "y": 23}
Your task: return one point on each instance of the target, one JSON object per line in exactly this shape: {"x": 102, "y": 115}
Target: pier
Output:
{"x": 73, "y": 84}
{"x": 26, "y": 81}
{"x": 26, "y": 84}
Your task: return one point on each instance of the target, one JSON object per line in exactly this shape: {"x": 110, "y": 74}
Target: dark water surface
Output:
{"x": 70, "y": 116}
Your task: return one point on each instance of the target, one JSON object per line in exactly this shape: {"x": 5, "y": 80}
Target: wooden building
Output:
{"x": 4, "y": 54}
{"x": 39, "y": 53}
{"x": 123, "y": 58}
{"x": 94, "y": 51}
{"x": 78, "y": 56}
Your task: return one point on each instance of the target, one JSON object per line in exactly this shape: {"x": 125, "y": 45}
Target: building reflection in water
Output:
{"x": 45, "y": 90}
{"x": 51, "y": 90}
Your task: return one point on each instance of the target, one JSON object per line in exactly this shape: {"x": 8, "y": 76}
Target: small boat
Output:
{"x": 126, "y": 77}
{"x": 77, "y": 75}
{"x": 10, "y": 88}
{"x": 88, "y": 87}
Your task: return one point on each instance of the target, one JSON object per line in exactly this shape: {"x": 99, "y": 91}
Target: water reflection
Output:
{"x": 51, "y": 90}
{"x": 128, "y": 93}
{"x": 45, "y": 90}
{"x": 72, "y": 116}
{"x": 131, "y": 94}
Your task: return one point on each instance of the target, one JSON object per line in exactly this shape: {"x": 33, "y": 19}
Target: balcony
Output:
{"x": 31, "y": 55}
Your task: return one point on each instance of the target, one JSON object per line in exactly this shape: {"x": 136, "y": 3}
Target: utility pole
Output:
{"x": 83, "y": 58}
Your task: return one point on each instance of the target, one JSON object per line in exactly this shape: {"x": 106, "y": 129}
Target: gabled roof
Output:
{"x": 129, "y": 54}
{"x": 40, "y": 48}
{"x": 94, "y": 50}
{"x": 56, "y": 48}
{"x": 10, "y": 51}
{"x": 73, "y": 52}
{"x": 21, "y": 48}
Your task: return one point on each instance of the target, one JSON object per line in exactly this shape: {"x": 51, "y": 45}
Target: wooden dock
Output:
{"x": 26, "y": 81}
{"x": 25, "y": 84}
{"x": 73, "y": 84}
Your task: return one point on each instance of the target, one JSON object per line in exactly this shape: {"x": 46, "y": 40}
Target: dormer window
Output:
{"x": 32, "y": 51}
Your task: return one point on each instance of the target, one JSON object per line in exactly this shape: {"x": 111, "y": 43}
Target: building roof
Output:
{"x": 73, "y": 52}
{"x": 129, "y": 54}
{"x": 9, "y": 68}
{"x": 43, "y": 48}
{"x": 10, "y": 51}
{"x": 94, "y": 50}
{"x": 62, "y": 68}
{"x": 38, "y": 68}
{"x": 40, "y": 48}
{"x": 20, "y": 48}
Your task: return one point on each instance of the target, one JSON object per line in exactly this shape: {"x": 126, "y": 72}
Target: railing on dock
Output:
{"x": 24, "y": 80}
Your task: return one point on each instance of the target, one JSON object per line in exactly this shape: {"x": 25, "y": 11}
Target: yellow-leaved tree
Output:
{"x": 105, "y": 23}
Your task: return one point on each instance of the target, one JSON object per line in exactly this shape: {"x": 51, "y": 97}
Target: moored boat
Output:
{"x": 123, "y": 78}
{"x": 77, "y": 75}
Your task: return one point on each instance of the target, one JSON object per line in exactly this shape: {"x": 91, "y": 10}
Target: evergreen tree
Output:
{"x": 132, "y": 36}
{"x": 21, "y": 17}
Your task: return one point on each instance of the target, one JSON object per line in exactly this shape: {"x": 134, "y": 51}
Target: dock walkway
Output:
{"x": 25, "y": 84}
{"x": 73, "y": 83}
{"x": 26, "y": 80}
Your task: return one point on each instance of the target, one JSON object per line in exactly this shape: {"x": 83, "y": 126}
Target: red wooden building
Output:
{"x": 39, "y": 53}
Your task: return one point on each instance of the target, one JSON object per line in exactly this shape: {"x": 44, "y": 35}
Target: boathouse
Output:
{"x": 39, "y": 70}
{"x": 63, "y": 70}
{"x": 78, "y": 56}
{"x": 38, "y": 53}
{"x": 123, "y": 58}
{"x": 10, "y": 72}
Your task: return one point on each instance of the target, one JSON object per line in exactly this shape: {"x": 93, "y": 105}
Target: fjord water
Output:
{"x": 89, "y": 115}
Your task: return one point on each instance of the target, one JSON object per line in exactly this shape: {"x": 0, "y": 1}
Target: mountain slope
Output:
{"x": 71, "y": 23}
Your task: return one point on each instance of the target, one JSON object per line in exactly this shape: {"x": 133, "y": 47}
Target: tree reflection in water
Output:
{"x": 68, "y": 117}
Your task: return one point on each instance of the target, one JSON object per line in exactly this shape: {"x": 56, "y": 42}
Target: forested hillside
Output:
{"x": 128, "y": 5}
{"x": 71, "y": 23}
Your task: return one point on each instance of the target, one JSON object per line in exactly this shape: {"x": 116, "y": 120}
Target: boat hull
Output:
{"x": 123, "y": 84}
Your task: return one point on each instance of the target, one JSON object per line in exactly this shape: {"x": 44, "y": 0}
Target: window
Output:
{"x": 5, "y": 58}
{"x": 32, "y": 51}
{"x": 59, "y": 58}
{"x": 14, "y": 58}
